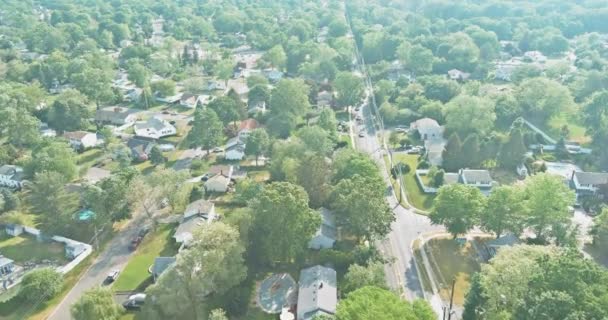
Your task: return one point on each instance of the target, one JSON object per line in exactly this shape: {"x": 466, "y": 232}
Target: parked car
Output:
{"x": 218, "y": 150}
{"x": 400, "y": 129}
{"x": 112, "y": 276}
{"x": 414, "y": 150}
{"x": 135, "y": 301}
{"x": 361, "y": 134}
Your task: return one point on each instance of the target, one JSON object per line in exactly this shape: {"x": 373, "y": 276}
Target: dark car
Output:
{"x": 112, "y": 276}
{"x": 135, "y": 243}
{"x": 143, "y": 232}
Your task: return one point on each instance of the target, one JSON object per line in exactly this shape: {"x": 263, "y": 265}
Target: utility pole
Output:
{"x": 452, "y": 299}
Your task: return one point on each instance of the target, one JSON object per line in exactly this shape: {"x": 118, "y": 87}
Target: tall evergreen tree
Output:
{"x": 512, "y": 152}
{"x": 452, "y": 155}
{"x": 470, "y": 151}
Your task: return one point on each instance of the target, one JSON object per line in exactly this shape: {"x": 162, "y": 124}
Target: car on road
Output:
{"x": 112, "y": 276}
{"x": 218, "y": 150}
{"x": 361, "y": 134}
{"x": 400, "y": 129}
{"x": 414, "y": 150}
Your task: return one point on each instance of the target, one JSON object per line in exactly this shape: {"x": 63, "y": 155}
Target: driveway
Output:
{"x": 115, "y": 256}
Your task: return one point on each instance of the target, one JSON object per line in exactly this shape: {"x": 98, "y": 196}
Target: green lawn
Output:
{"x": 89, "y": 157}
{"x": 157, "y": 243}
{"x": 450, "y": 260}
{"x": 415, "y": 195}
{"x": 571, "y": 119}
{"x": 25, "y": 248}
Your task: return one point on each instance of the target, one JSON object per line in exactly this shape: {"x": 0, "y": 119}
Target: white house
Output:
{"x": 458, "y": 75}
{"x": 116, "y": 115}
{"x": 189, "y": 100}
{"x": 476, "y": 178}
{"x": 318, "y": 294}
{"x": 82, "y": 140}
{"x": 434, "y": 150}
{"x": 504, "y": 69}
{"x": 587, "y": 183}
{"x": 13, "y": 229}
{"x": 535, "y": 56}
{"x": 219, "y": 181}
{"x": 155, "y": 128}
{"x": 197, "y": 213}
{"x": 235, "y": 149}
{"x": 259, "y": 106}
{"x": 327, "y": 233}
{"x": 427, "y": 128}
{"x": 11, "y": 176}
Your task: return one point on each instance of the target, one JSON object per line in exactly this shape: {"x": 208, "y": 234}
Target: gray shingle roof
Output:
{"x": 473, "y": 176}
{"x": 161, "y": 264}
{"x": 317, "y": 292}
{"x": 592, "y": 178}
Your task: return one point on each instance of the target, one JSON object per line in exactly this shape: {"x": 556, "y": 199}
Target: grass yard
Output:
{"x": 259, "y": 175}
{"x": 449, "y": 260}
{"x": 135, "y": 274}
{"x": 24, "y": 248}
{"x": 414, "y": 194}
{"x": 571, "y": 119}
{"x": 88, "y": 158}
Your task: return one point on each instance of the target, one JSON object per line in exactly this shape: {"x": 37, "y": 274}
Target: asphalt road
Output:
{"x": 408, "y": 226}
{"x": 115, "y": 256}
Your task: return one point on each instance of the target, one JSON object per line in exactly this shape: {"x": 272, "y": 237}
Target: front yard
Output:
{"x": 23, "y": 249}
{"x": 415, "y": 195}
{"x": 156, "y": 243}
{"x": 451, "y": 260}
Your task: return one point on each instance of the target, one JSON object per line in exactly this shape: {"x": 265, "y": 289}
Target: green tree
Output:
{"x": 211, "y": 266}
{"x": 348, "y": 163}
{"x": 276, "y": 57}
{"x": 108, "y": 198}
{"x": 228, "y": 109}
{"x": 50, "y": 200}
{"x": 349, "y": 89}
{"x": 138, "y": 73}
{"x": 224, "y": 69}
{"x": 370, "y": 302}
{"x": 361, "y": 207}
{"x": 314, "y": 177}
{"x": 283, "y": 222}
{"x": 316, "y": 140}
{"x": 548, "y": 199}
{"x": 470, "y": 148}
{"x": 258, "y": 93}
{"x": 95, "y": 304}
{"x": 420, "y": 59}
{"x": 512, "y": 152}
{"x": 156, "y": 156}
{"x": 507, "y": 110}
{"x": 258, "y": 143}
{"x": 207, "y": 130}
{"x": 288, "y": 104}
{"x": 505, "y": 211}
{"x": 70, "y": 111}
{"x": 217, "y": 314}
{"x": 440, "y": 88}
{"x": 600, "y": 227}
{"x": 40, "y": 285}
{"x": 21, "y": 128}
{"x": 543, "y": 98}
{"x": 457, "y": 207}
{"x": 327, "y": 121}
{"x": 452, "y": 154}
{"x": 465, "y": 114}
{"x": 361, "y": 276}
{"x": 54, "y": 156}
{"x": 164, "y": 88}
{"x": 96, "y": 84}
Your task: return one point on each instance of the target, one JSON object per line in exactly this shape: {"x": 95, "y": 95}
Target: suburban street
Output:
{"x": 115, "y": 256}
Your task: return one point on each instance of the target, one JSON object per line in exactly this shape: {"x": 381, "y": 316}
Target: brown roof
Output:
{"x": 248, "y": 124}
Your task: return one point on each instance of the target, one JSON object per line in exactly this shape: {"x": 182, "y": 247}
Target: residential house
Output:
{"x": 197, "y": 213}
{"x": 189, "y": 100}
{"x": 74, "y": 248}
{"x": 160, "y": 265}
{"x": 273, "y": 75}
{"x": 256, "y": 107}
{"x": 458, "y": 75}
{"x": 318, "y": 294}
{"x": 6, "y": 266}
{"x": 155, "y": 128}
{"x": 588, "y": 183}
{"x": 82, "y": 140}
{"x": 427, "y": 128}
{"x": 11, "y": 176}
{"x": 13, "y": 229}
{"x": 476, "y": 178}
{"x": 327, "y": 233}
{"x": 214, "y": 85}
{"x": 246, "y": 126}
{"x": 47, "y": 132}
{"x": 535, "y": 56}
{"x": 434, "y": 150}
{"x": 325, "y": 99}
{"x": 169, "y": 99}
{"x": 116, "y": 115}
{"x": 396, "y": 71}
{"x": 132, "y": 95}
{"x": 239, "y": 86}
{"x": 140, "y": 149}
{"x": 219, "y": 181}
{"x": 504, "y": 69}
{"x": 235, "y": 149}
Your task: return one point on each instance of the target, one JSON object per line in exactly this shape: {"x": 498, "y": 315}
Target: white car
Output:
{"x": 401, "y": 130}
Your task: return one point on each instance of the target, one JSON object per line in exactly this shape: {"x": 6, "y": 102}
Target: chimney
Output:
{"x": 572, "y": 177}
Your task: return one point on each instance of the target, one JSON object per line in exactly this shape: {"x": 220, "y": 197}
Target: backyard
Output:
{"x": 23, "y": 249}
{"x": 414, "y": 194}
{"x": 451, "y": 260}
{"x": 135, "y": 275}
